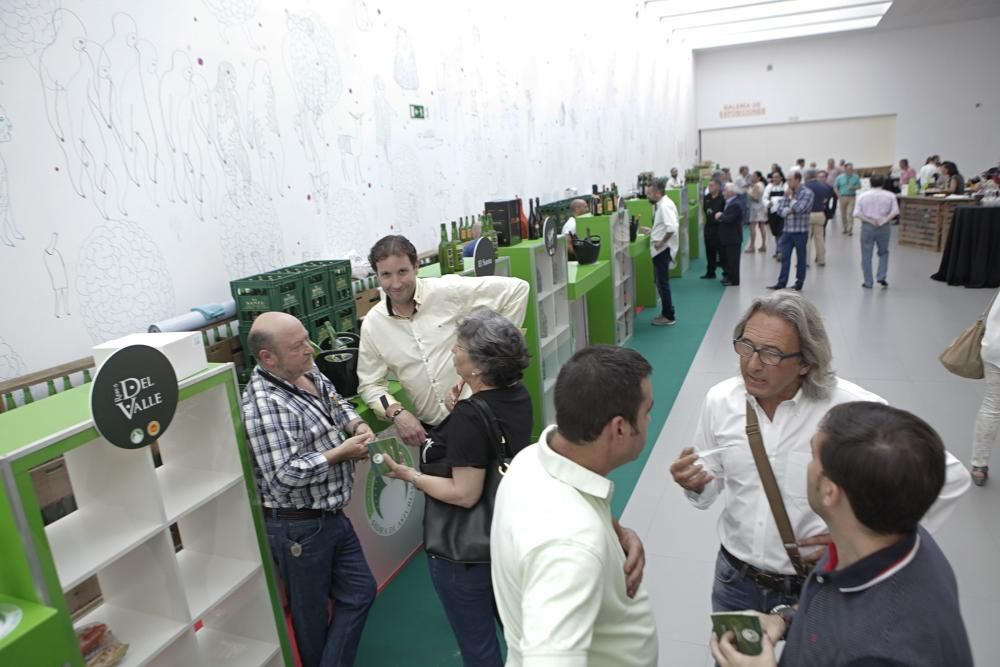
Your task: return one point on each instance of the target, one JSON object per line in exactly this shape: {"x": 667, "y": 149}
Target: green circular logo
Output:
{"x": 388, "y": 501}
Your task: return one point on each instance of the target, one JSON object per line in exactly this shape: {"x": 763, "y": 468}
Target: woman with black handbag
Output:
{"x": 461, "y": 465}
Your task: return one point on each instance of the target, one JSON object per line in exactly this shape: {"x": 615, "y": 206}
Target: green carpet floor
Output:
{"x": 407, "y": 625}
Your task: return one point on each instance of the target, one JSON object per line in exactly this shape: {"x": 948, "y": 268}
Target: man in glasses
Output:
{"x": 787, "y": 380}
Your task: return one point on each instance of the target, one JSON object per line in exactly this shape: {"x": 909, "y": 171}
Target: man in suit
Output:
{"x": 713, "y": 203}
{"x": 730, "y": 232}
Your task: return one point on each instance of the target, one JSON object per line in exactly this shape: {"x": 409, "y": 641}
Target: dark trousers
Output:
{"x": 776, "y": 223}
{"x": 661, "y": 272}
{"x": 734, "y": 591}
{"x": 798, "y": 241}
{"x": 712, "y": 248}
{"x": 329, "y": 565}
{"x": 730, "y": 257}
{"x": 466, "y": 593}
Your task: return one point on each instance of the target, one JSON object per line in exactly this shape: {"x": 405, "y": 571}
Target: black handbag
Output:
{"x": 460, "y": 534}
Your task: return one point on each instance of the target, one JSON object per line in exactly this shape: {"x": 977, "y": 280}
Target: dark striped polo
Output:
{"x": 898, "y": 606}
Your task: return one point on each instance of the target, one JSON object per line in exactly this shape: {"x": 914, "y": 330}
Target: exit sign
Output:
{"x": 417, "y": 111}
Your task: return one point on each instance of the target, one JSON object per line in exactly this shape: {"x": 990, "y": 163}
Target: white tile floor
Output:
{"x": 886, "y": 340}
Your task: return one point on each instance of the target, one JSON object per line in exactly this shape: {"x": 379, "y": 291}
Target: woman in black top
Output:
{"x": 954, "y": 183}
{"x": 490, "y": 356}
{"x": 713, "y": 203}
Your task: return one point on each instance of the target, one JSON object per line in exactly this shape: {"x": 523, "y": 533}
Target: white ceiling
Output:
{"x": 901, "y": 14}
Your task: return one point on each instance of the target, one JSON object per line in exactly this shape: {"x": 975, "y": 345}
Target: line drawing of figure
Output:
{"x": 262, "y": 131}
{"x": 229, "y": 13}
{"x": 405, "y": 67}
{"x": 177, "y": 107}
{"x": 26, "y": 27}
{"x": 147, "y": 133}
{"x": 11, "y": 364}
{"x": 8, "y": 228}
{"x": 55, "y": 265}
{"x": 229, "y": 137}
{"x": 203, "y": 157}
{"x": 349, "y": 144}
{"x": 384, "y": 116}
{"x": 310, "y": 58}
{"x": 362, "y": 16}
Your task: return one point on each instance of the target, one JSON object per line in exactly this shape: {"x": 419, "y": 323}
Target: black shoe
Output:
{"x": 775, "y": 286}
{"x": 797, "y": 288}
{"x": 708, "y": 276}
{"x": 726, "y": 283}
{"x": 883, "y": 283}
{"x": 866, "y": 286}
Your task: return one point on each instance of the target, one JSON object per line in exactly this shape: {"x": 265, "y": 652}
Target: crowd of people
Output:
{"x": 540, "y": 554}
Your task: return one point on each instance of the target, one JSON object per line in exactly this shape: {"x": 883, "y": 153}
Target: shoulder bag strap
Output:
{"x": 773, "y": 493}
{"x": 989, "y": 306}
{"x": 494, "y": 430}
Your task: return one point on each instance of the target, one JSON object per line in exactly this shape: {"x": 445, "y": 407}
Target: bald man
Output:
{"x": 577, "y": 207}
{"x": 305, "y": 439}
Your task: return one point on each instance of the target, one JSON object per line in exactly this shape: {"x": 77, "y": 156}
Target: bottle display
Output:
{"x": 528, "y": 230}
{"x": 522, "y": 219}
{"x": 598, "y": 203}
{"x": 444, "y": 251}
{"x": 457, "y": 262}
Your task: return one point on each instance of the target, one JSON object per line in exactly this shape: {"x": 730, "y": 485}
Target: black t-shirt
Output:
{"x": 464, "y": 439}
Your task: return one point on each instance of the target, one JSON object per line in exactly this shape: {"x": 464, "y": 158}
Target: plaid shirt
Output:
{"x": 288, "y": 430}
{"x": 796, "y": 211}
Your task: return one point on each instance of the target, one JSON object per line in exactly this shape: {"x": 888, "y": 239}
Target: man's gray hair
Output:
{"x": 732, "y": 187}
{"x": 495, "y": 345}
{"x": 660, "y": 184}
{"x": 813, "y": 341}
{"x": 810, "y": 174}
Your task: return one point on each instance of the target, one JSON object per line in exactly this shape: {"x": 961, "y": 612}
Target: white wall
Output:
{"x": 938, "y": 82}
{"x": 151, "y": 155}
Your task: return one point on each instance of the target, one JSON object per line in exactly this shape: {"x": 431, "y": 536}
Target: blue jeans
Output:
{"x": 466, "y": 593}
{"x": 733, "y": 591}
{"x": 870, "y": 236}
{"x": 330, "y": 565}
{"x": 789, "y": 240}
{"x": 661, "y": 272}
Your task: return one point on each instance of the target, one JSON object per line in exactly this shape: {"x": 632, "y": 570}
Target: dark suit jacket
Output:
{"x": 731, "y": 223}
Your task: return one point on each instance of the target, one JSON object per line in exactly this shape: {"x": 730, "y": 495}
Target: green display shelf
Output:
{"x": 548, "y": 332}
{"x": 173, "y": 556}
{"x": 645, "y": 283}
{"x": 611, "y": 305}
{"x": 694, "y": 213}
{"x": 39, "y": 639}
{"x": 585, "y": 277}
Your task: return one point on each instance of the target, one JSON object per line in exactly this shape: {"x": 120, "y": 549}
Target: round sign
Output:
{"x": 484, "y": 257}
{"x": 133, "y": 397}
{"x": 550, "y": 234}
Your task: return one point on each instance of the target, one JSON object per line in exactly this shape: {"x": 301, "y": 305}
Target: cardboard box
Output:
{"x": 365, "y": 300}
{"x": 185, "y": 349}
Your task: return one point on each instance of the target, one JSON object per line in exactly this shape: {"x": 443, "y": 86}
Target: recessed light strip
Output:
{"x": 722, "y": 40}
{"x": 780, "y": 22}
{"x": 782, "y": 8}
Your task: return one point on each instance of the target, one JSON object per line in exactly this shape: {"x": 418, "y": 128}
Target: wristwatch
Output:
{"x": 786, "y": 612}
{"x": 395, "y": 413}
{"x": 417, "y": 475}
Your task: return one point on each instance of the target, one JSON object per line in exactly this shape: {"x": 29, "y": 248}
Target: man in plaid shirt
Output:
{"x": 795, "y": 209}
{"x": 298, "y": 427}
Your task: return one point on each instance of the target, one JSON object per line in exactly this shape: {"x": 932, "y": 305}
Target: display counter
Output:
{"x": 642, "y": 262}
{"x": 582, "y": 279}
{"x": 925, "y": 221}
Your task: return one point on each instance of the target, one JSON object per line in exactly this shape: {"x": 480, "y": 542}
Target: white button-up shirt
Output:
{"x": 558, "y": 568}
{"x": 746, "y": 527}
{"x": 664, "y": 222}
{"x": 417, "y": 349}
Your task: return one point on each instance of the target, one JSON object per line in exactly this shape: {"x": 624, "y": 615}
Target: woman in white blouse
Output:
{"x": 988, "y": 420}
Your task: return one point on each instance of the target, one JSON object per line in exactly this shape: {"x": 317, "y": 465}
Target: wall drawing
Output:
{"x": 362, "y": 16}
{"x": 11, "y": 365}
{"x": 122, "y": 281}
{"x": 407, "y": 188}
{"x": 250, "y": 234}
{"x": 26, "y": 27}
{"x": 347, "y": 225}
{"x": 235, "y": 14}
{"x": 9, "y": 233}
{"x": 350, "y": 146}
{"x": 229, "y": 135}
{"x": 384, "y": 118}
{"x": 263, "y": 134}
{"x": 405, "y": 67}
{"x": 55, "y": 266}
{"x": 310, "y": 56}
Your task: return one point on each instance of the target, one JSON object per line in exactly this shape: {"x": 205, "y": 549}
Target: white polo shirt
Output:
{"x": 558, "y": 568}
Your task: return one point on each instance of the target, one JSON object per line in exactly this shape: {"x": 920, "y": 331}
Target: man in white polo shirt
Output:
{"x": 556, "y": 553}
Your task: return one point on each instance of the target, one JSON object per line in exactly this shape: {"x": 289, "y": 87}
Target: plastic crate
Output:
{"x": 345, "y": 317}
{"x": 340, "y": 276}
{"x": 316, "y": 325}
{"x": 275, "y": 291}
{"x": 316, "y": 286}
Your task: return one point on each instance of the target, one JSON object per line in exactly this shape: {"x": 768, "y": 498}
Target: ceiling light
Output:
{"x": 710, "y": 41}
{"x": 757, "y": 11}
{"x": 780, "y": 22}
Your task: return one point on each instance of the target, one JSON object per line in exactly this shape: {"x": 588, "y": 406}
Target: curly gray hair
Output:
{"x": 813, "y": 341}
{"x": 495, "y": 345}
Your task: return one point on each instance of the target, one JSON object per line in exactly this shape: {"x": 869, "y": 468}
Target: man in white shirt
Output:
{"x": 785, "y": 376}
{"x": 556, "y": 554}
{"x": 675, "y": 181}
{"x": 410, "y": 333}
{"x": 929, "y": 172}
{"x": 875, "y": 208}
{"x": 577, "y": 207}
{"x": 663, "y": 248}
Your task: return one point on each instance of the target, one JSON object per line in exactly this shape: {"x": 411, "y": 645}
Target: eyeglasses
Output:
{"x": 746, "y": 349}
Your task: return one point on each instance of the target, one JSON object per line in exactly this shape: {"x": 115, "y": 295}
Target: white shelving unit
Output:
{"x": 205, "y": 604}
{"x": 623, "y": 275}
{"x": 554, "y": 327}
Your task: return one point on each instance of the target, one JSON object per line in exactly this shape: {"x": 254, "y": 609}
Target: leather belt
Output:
{"x": 787, "y": 584}
{"x": 297, "y": 515}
